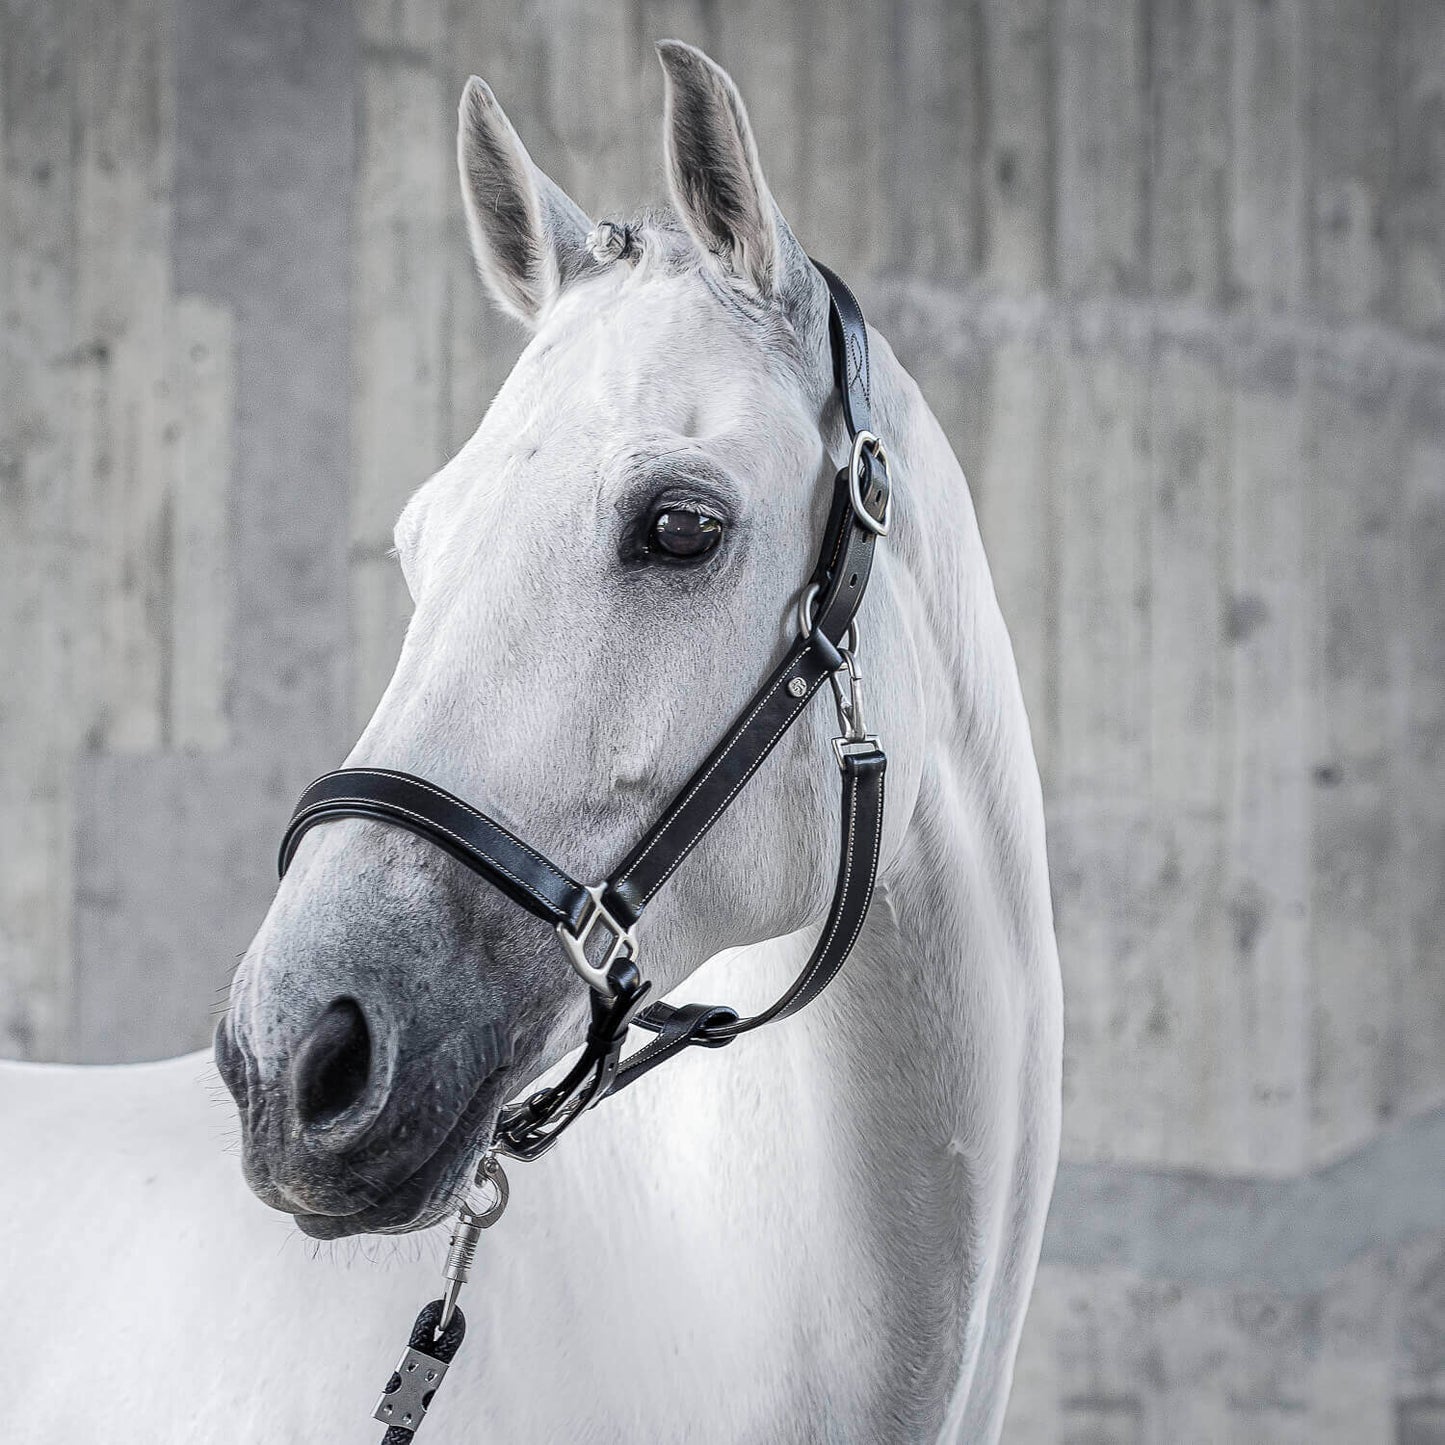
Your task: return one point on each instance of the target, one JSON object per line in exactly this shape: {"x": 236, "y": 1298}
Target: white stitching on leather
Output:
{"x": 733, "y": 792}
{"x": 656, "y": 1046}
{"x": 818, "y": 956}
{"x": 716, "y": 763}
{"x": 466, "y": 807}
{"x": 431, "y": 823}
{"x": 843, "y": 901}
{"x": 867, "y": 897}
{"x": 788, "y": 1005}
{"x": 873, "y": 874}
{"x": 642, "y": 1055}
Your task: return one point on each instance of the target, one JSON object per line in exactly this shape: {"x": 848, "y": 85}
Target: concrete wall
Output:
{"x": 1172, "y": 272}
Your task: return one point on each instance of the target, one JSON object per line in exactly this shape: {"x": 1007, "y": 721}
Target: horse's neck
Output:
{"x": 975, "y": 834}
{"x": 870, "y": 1142}
{"x": 923, "y": 1023}
{"x": 940, "y": 1022}
{"x": 961, "y": 924}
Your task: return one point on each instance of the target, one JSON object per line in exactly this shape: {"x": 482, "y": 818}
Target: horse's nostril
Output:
{"x": 333, "y": 1064}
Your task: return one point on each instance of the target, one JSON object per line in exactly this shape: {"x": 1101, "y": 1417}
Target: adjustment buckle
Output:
{"x": 866, "y": 446}
{"x": 623, "y": 944}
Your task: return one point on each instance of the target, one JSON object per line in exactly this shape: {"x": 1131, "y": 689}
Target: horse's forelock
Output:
{"x": 659, "y": 244}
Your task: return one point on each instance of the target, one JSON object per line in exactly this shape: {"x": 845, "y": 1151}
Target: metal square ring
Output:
{"x": 844, "y": 748}
{"x": 623, "y": 945}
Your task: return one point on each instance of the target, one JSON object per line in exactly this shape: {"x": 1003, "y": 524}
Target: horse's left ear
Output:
{"x": 528, "y": 236}
{"x": 717, "y": 183}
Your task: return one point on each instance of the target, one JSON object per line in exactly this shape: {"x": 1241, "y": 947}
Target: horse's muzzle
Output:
{"x": 348, "y": 1139}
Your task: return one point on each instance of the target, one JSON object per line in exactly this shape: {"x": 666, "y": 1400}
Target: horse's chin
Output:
{"x": 431, "y": 1191}
{"x": 424, "y": 1199}
{"x": 371, "y": 1221}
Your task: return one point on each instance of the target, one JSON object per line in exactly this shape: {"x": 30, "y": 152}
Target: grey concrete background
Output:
{"x": 1172, "y": 273}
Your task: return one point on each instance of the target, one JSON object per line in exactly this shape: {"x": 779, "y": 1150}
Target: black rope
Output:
{"x": 441, "y": 1347}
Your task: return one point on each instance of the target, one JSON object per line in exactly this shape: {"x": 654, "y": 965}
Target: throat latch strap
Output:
{"x": 713, "y": 1025}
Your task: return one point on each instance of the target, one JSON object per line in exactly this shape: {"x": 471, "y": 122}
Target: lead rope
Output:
{"x": 408, "y": 1394}
{"x": 441, "y": 1327}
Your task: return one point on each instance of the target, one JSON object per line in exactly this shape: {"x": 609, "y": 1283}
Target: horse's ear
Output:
{"x": 528, "y": 236}
{"x": 713, "y": 172}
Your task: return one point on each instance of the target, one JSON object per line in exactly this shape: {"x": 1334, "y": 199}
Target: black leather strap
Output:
{"x": 706, "y": 795}
{"x": 487, "y": 848}
{"x": 860, "y": 843}
{"x": 529, "y": 1128}
{"x": 845, "y": 563}
{"x": 712, "y": 1025}
{"x": 848, "y": 333}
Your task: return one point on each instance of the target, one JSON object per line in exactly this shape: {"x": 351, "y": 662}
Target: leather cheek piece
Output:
{"x": 707, "y": 794}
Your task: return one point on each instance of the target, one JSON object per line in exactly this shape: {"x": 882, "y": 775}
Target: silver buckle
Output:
{"x": 623, "y": 945}
{"x": 866, "y": 440}
{"x": 851, "y": 747}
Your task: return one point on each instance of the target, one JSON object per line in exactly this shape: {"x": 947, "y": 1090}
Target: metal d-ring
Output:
{"x": 807, "y": 602}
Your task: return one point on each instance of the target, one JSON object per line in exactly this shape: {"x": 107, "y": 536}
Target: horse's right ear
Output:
{"x": 528, "y": 236}
{"x": 719, "y": 192}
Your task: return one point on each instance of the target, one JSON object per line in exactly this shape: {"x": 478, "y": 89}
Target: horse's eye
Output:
{"x": 684, "y": 534}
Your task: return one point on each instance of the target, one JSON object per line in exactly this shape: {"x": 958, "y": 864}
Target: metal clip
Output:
{"x": 467, "y": 1233}
{"x": 849, "y": 701}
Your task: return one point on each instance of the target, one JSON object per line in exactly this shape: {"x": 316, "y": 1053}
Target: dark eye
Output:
{"x": 684, "y": 534}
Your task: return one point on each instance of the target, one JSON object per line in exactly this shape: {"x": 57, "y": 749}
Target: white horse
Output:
{"x": 827, "y": 1232}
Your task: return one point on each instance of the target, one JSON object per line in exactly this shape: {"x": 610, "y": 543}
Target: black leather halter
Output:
{"x": 585, "y": 915}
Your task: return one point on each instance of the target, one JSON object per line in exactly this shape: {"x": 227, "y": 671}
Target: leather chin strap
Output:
{"x": 858, "y": 516}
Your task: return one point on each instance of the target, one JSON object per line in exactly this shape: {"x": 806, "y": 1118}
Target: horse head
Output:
{"x": 600, "y": 579}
